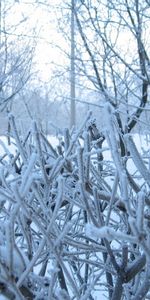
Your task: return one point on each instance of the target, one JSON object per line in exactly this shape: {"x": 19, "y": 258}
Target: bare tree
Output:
{"x": 16, "y": 53}
{"x": 115, "y": 57}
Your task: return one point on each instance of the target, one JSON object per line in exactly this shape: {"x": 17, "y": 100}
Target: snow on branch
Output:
{"x": 108, "y": 233}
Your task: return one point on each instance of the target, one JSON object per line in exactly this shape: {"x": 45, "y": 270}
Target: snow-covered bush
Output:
{"x": 74, "y": 219}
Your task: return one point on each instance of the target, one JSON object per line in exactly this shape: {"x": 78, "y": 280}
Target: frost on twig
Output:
{"x": 137, "y": 159}
{"x": 108, "y": 233}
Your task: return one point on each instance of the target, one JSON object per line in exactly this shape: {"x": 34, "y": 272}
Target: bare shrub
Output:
{"x": 74, "y": 223}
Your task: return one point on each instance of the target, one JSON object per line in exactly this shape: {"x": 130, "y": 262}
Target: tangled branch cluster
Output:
{"x": 73, "y": 224}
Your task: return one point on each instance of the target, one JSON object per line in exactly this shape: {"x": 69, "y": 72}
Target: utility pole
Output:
{"x": 72, "y": 71}
{"x": 0, "y": 22}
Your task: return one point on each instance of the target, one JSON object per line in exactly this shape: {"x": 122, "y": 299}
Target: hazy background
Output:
{"x": 35, "y": 38}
